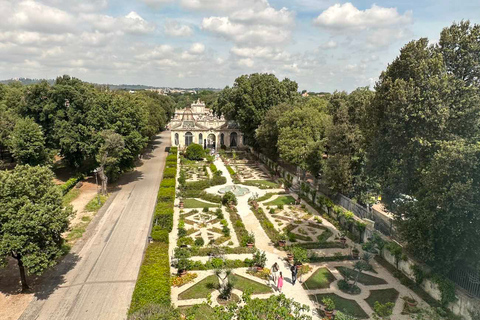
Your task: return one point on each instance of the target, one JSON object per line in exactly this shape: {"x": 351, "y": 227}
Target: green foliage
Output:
{"x": 229, "y": 198}
{"x": 70, "y": 183}
{"x": 251, "y": 97}
{"x": 328, "y": 303}
{"x": 195, "y": 152}
{"x": 383, "y": 310}
{"x": 94, "y": 205}
{"x": 447, "y": 289}
{"x": 155, "y": 312}
{"x": 167, "y": 183}
{"x": 418, "y": 274}
{"x": 32, "y": 217}
{"x": 159, "y": 234}
{"x": 213, "y": 168}
{"x": 300, "y": 255}
{"x": 27, "y": 143}
{"x": 153, "y": 283}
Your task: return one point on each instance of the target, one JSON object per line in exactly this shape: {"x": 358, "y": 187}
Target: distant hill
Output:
{"x": 28, "y": 81}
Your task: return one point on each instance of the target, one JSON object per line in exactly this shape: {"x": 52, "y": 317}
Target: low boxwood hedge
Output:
{"x": 168, "y": 183}
{"x": 153, "y": 283}
{"x": 159, "y": 234}
{"x": 169, "y": 173}
{"x": 166, "y": 195}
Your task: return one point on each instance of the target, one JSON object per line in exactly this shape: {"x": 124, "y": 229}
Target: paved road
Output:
{"x": 98, "y": 281}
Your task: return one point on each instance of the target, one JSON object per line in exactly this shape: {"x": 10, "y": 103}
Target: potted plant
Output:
{"x": 290, "y": 257}
{"x": 182, "y": 266}
{"x": 410, "y": 301}
{"x": 329, "y": 307}
{"x": 259, "y": 260}
{"x": 180, "y": 205}
{"x": 249, "y": 240}
{"x": 282, "y": 240}
{"x": 355, "y": 253}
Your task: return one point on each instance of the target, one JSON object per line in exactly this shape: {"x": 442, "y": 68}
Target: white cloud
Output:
{"x": 157, "y": 3}
{"x": 131, "y": 23}
{"x": 342, "y": 16}
{"x": 77, "y": 5}
{"x": 197, "y": 48}
{"x": 175, "y": 29}
{"x": 246, "y": 62}
{"x": 329, "y": 45}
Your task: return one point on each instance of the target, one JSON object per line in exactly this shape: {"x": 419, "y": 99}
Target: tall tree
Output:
{"x": 32, "y": 218}
{"x": 27, "y": 143}
{"x": 267, "y": 133}
{"x": 442, "y": 226}
{"x": 302, "y": 139}
{"x": 251, "y": 97}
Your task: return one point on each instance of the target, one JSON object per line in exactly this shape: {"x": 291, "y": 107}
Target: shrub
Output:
{"x": 218, "y": 180}
{"x": 182, "y": 232}
{"x": 210, "y": 197}
{"x": 164, "y": 220}
{"x": 159, "y": 234}
{"x": 229, "y": 198}
{"x": 172, "y": 158}
{"x": 173, "y": 150}
{"x": 195, "y": 152}
{"x": 383, "y": 310}
{"x": 166, "y": 194}
{"x": 199, "y": 242}
{"x": 168, "y": 183}
{"x": 153, "y": 283}
{"x": 299, "y": 255}
{"x": 169, "y": 173}
{"x": 213, "y": 168}
{"x": 70, "y": 184}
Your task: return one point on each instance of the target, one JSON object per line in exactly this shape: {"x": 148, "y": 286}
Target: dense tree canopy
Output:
{"x": 32, "y": 217}
{"x": 251, "y": 97}
{"x": 27, "y": 143}
{"x": 72, "y": 115}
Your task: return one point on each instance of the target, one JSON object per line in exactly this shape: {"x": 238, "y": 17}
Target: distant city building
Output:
{"x": 198, "y": 124}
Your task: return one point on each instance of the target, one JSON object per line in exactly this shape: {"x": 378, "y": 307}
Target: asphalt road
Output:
{"x": 97, "y": 282}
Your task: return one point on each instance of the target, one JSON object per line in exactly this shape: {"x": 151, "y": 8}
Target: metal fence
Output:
{"x": 467, "y": 279}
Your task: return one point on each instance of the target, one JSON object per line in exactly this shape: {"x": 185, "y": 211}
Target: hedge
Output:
{"x": 159, "y": 234}
{"x": 172, "y": 158}
{"x": 168, "y": 183}
{"x": 210, "y": 197}
{"x": 70, "y": 184}
{"x": 267, "y": 226}
{"x": 173, "y": 150}
{"x": 166, "y": 195}
{"x": 169, "y": 173}
{"x": 213, "y": 168}
{"x": 237, "y": 223}
{"x": 153, "y": 283}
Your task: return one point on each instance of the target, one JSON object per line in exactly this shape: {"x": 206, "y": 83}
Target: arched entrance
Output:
{"x": 211, "y": 141}
{"x": 188, "y": 139}
{"x": 222, "y": 140}
{"x": 233, "y": 139}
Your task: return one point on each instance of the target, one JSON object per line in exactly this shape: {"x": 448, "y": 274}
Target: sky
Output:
{"x": 324, "y": 45}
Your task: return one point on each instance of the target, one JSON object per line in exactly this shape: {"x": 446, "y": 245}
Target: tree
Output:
{"x": 267, "y": 133}
{"x": 27, "y": 143}
{"x": 441, "y": 224}
{"x": 273, "y": 308}
{"x": 302, "y": 140}
{"x": 109, "y": 156}
{"x": 32, "y": 218}
{"x": 195, "y": 152}
{"x": 344, "y": 169}
{"x": 251, "y": 97}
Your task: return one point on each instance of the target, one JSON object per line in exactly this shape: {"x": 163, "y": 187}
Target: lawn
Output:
{"x": 199, "y": 311}
{"x": 262, "y": 184}
{"x": 94, "y": 206}
{"x": 266, "y": 196}
{"x": 194, "y": 203}
{"x": 201, "y": 289}
{"x": 350, "y": 307}
{"x": 282, "y": 200}
{"x": 320, "y": 279}
{"x": 70, "y": 196}
{"x": 383, "y": 296}
{"x": 365, "y": 279}
{"x": 242, "y": 283}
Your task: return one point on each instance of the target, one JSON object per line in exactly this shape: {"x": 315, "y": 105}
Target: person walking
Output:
{"x": 294, "y": 274}
{"x": 280, "y": 282}
{"x": 275, "y": 272}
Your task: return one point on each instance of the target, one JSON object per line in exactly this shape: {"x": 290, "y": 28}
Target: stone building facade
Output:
{"x": 198, "y": 124}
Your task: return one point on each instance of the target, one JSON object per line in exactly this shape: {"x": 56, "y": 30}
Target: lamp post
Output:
{"x": 96, "y": 181}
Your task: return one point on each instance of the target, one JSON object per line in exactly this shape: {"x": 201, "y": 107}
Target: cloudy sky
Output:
{"x": 324, "y": 45}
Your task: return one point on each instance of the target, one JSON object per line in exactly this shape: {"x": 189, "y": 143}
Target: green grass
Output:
{"x": 266, "y": 196}
{"x": 70, "y": 196}
{"x": 77, "y": 232}
{"x": 320, "y": 279}
{"x": 350, "y": 307}
{"x": 383, "y": 296}
{"x": 201, "y": 289}
{"x": 194, "y": 203}
{"x": 282, "y": 200}
{"x": 242, "y": 283}
{"x": 94, "y": 206}
{"x": 153, "y": 283}
{"x": 262, "y": 184}
{"x": 199, "y": 311}
{"x": 363, "y": 278}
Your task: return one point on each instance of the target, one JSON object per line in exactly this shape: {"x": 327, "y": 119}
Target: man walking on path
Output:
{"x": 294, "y": 274}
{"x": 274, "y": 272}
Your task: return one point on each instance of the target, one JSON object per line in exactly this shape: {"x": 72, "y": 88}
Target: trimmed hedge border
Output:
{"x": 70, "y": 184}
{"x": 153, "y": 283}
{"x": 267, "y": 226}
